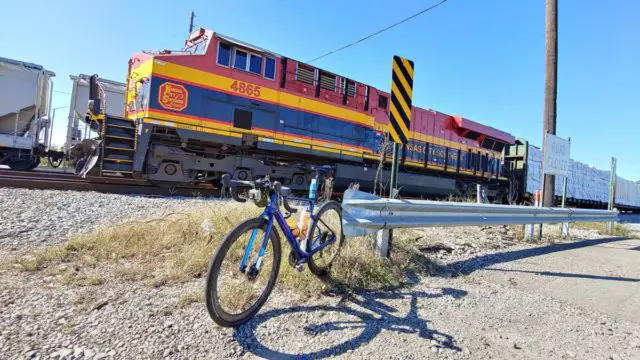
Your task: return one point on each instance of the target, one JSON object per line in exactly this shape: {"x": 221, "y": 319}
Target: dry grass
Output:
{"x": 86, "y": 299}
{"x": 176, "y": 250}
{"x": 461, "y": 199}
{"x": 162, "y": 251}
{"x": 74, "y": 277}
{"x": 190, "y": 298}
{"x": 601, "y": 228}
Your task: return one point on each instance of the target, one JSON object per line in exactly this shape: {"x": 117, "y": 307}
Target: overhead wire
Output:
{"x": 379, "y": 31}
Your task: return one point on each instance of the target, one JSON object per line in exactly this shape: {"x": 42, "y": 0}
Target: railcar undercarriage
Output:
{"x": 174, "y": 157}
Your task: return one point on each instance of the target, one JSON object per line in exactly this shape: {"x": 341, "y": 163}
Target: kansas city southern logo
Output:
{"x": 173, "y": 96}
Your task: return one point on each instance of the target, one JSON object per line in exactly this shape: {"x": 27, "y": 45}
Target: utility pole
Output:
{"x": 193, "y": 16}
{"x": 550, "y": 90}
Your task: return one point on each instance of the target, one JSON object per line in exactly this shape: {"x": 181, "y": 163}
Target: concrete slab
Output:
{"x": 603, "y": 275}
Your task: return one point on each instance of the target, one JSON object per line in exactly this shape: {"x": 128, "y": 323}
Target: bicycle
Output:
{"x": 309, "y": 245}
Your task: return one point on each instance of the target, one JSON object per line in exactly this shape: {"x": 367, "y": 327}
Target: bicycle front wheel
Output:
{"x": 242, "y": 273}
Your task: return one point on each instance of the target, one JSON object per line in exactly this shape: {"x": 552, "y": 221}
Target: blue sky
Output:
{"x": 483, "y": 59}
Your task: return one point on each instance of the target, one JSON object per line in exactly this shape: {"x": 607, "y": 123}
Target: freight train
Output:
{"x": 25, "y": 115}
{"x": 222, "y": 106}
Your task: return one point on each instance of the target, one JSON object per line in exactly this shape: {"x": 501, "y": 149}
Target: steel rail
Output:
{"x": 54, "y": 180}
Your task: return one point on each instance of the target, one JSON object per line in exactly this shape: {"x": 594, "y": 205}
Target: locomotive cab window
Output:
{"x": 197, "y": 48}
{"x": 270, "y": 68}
{"x": 240, "y": 60}
{"x": 246, "y": 61}
{"x": 255, "y": 64}
{"x": 224, "y": 54}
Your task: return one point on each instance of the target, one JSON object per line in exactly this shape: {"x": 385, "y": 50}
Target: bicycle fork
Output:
{"x": 255, "y": 267}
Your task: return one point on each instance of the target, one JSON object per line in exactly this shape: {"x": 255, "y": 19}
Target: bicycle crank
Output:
{"x": 294, "y": 261}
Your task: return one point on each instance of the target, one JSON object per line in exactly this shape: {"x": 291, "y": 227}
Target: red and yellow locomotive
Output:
{"x": 223, "y": 106}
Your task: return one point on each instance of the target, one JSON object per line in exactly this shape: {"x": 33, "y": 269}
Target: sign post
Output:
{"x": 400, "y": 110}
{"x": 565, "y": 183}
{"x": 399, "y": 130}
{"x": 613, "y": 178}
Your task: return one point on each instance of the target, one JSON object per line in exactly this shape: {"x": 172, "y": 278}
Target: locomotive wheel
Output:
{"x": 24, "y": 165}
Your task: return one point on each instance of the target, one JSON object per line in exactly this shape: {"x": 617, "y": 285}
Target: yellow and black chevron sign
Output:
{"x": 401, "y": 95}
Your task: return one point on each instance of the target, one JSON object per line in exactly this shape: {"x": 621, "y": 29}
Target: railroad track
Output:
{"x": 57, "y": 180}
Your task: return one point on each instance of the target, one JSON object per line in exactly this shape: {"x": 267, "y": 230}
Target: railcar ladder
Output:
{"x": 118, "y": 147}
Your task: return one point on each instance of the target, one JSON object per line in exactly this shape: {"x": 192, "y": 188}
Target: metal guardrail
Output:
{"x": 392, "y": 213}
{"x": 364, "y": 213}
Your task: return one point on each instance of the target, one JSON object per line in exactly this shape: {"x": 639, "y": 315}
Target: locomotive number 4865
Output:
{"x": 244, "y": 88}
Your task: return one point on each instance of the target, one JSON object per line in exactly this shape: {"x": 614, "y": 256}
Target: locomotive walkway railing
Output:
{"x": 365, "y": 213}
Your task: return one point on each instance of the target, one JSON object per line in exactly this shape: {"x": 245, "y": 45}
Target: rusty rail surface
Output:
{"x": 58, "y": 180}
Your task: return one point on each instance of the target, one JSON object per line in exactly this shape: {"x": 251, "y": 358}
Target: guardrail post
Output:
{"x": 610, "y": 227}
{"x": 382, "y": 242}
{"x": 564, "y": 228}
{"x": 530, "y": 233}
{"x": 478, "y": 194}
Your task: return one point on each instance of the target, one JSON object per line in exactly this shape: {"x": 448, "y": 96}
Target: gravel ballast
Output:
{"x": 44, "y": 217}
{"x": 454, "y": 315}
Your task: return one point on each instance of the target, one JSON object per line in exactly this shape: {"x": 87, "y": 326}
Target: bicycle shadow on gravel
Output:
{"x": 466, "y": 267}
{"x": 361, "y": 317}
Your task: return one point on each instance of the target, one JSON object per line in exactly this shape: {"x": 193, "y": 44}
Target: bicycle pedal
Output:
{"x": 300, "y": 267}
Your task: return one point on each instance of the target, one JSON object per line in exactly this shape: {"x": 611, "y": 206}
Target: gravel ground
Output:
{"x": 452, "y": 316}
{"x": 35, "y": 217}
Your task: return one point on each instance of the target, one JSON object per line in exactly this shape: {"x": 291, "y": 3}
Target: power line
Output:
{"x": 380, "y": 31}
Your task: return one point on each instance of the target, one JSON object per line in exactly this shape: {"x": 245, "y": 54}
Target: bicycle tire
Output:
{"x": 314, "y": 266}
{"x": 216, "y": 312}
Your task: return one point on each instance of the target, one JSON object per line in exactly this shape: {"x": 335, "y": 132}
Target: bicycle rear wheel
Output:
{"x": 242, "y": 273}
{"x": 325, "y": 227}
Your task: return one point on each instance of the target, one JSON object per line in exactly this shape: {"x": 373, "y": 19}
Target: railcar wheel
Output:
{"x": 24, "y": 165}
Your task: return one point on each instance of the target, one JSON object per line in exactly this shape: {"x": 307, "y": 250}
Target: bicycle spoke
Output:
{"x": 327, "y": 228}
{"x": 244, "y": 272}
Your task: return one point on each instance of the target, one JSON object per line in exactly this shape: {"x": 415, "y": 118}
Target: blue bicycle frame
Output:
{"x": 273, "y": 211}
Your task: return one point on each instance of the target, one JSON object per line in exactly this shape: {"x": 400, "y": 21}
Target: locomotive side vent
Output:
{"x": 304, "y": 74}
{"x": 327, "y": 81}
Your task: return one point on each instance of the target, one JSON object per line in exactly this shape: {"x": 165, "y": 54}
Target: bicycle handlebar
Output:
{"x": 261, "y": 184}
